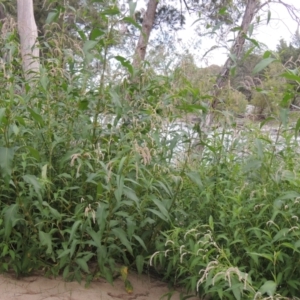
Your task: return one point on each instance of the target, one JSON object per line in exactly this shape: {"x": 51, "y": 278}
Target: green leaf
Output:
{"x": 96, "y": 236}
{"x": 195, "y": 177}
{"x": 107, "y": 274}
{"x": 119, "y": 190}
{"x": 288, "y": 195}
{"x": 36, "y": 117}
{"x": 81, "y": 34}
{"x": 46, "y": 240}
{"x": 64, "y": 253}
{"x": 101, "y": 216}
{"x": 279, "y": 278}
{"x": 66, "y": 272}
{"x": 82, "y": 264}
{"x": 2, "y": 113}
{"x": 95, "y": 33}
{"x": 131, "y": 226}
{"x": 140, "y": 263}
{"x": 297, "y": 244}
{"x": 83, "y": 105}
{"x": 125, "y": 63}
{"x": 140, "y": 241}
{"x": 15, "y": 129}
{"x": 53, "y": 211}
{"x": 269, "y": 287}
{"x": 263, "y": 64}
{"x": 267, "y": 54}
{"x": 132, "y": 7}
{"x": 74, "y": 229}
{"x": 99, "y": 189}
{"x": 264, "y": 122}
{"x": 44, "y": 172}
{"x": 132, "y": 21}
{"x": 89, "y": 45}
{"x": 115, "y": 97}
{"x": 121, "y": 164}
{"x": 269, "y": 17}
{"x": 159, "y": 214}
{"x": 281, "y": 233}
{"x": 291, "y": 76}
{"x": 252, "y": 165}
{"x": 161, "y": 207}
{"x": 6, "y": 160}
{"x": 236, "y": 289}
{"x": 32, "y": 180}
{"x": 121, "y": 234}
{"x": 267, "y": 256}
{"x": 44, "y": 80}
{"x": 239, "y": 28}
{"x": 110, "y": 11}
{"x": 259, "y": 147}
{"x": 250, "y": 30}
{"x": 255, "y": 43}
{"x": 289, "y": 245}
{"x": 73, "y": 247}
{"x": 222, "y": 10}
{"x": 11, "y": 218}
{"x": 286, "y": 100}
{"x": 34, "y": 153}
{"x": 20, "y": 120}
{"x": 52, "y": 16}
{"x": 284, "y": 115}
{"x": 192, "y": 107}
{"x": 130, "y": 194}
{"x": 294, "y": 283}
{"x": 211, "y": 222}
{"x": 232, "y": 70}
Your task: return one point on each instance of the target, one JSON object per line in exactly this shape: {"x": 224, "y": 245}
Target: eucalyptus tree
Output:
{"x": 28, "y": 37}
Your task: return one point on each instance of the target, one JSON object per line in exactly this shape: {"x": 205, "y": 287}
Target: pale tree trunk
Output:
{"x": 148, "y": 21}
{"x": 251, "y": 9}
{"x": 28, "y": 36}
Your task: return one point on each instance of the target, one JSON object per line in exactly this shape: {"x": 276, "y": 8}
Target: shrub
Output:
{"x": 233, "y": 101}
{"x": 267, "y": 97}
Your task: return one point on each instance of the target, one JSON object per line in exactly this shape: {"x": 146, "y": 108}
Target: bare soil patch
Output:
{"x": 41, "y": 288}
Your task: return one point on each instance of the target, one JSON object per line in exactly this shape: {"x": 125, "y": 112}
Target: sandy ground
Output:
{"x": 40, "y": 288}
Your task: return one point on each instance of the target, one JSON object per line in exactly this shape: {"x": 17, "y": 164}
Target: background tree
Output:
{"x": 156, "y": 16}
{"x": 251, "y": 9}
{"x": 290, "y": 53}
{"x": 147, "y": 25}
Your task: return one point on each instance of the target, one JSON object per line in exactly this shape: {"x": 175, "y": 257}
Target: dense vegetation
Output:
{"x": 99, "y": 169}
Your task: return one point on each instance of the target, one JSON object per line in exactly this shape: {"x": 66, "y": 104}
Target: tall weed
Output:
{"x": 237, "y": 229}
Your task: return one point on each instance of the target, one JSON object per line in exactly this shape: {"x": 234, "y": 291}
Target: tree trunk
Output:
{"x": 28, "y": 37}
{"x": 239, "y": 42}
{"x": 148, "y": 21}
{"x": 236, "y": 50}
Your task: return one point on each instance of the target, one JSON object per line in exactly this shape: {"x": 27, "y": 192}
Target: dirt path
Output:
{"x": 40, "y": 288}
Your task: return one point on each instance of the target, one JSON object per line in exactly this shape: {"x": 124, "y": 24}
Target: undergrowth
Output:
{"x": 96, "y": 173}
